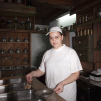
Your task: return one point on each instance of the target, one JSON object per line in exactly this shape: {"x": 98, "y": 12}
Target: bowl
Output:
{"x": 44, "y": 92}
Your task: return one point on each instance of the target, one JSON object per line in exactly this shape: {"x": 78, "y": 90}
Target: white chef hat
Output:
{"x": 54, "y": 29}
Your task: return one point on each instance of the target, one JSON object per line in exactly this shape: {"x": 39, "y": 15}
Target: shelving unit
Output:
{"x": 15, "y": 61}
{"x": 93, "y": 24}
{"x": 89, "y": 22}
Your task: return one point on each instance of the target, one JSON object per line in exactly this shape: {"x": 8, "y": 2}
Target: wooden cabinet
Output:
{"x": 83, "y": 46}
{"x": 15, "y": 44}
{"x": 88, "y": 33}
{"x": 86, "y": 90}
{"x": 85, "y": 55}
{"x": 83, "y": 42}
{"x": 15, "y": 52}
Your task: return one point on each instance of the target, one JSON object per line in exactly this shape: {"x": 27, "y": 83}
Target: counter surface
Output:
{"x": 38, "y": 85}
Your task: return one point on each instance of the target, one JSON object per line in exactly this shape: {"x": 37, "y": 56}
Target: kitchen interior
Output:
{"x": 23, "y": 41}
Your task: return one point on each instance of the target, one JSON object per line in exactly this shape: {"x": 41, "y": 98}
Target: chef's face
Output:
{"x": 55, "y": 39}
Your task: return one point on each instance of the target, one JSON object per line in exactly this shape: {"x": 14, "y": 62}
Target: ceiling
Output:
{"x": 49, "y": 10}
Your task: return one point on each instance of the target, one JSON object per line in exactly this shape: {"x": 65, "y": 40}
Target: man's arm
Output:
{"x": 73, "y": 77}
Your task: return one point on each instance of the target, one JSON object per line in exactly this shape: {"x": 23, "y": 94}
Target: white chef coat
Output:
{"x": 58, "y": 65}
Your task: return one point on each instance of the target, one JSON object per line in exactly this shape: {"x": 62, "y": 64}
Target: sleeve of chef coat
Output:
{"x": 42, "y": 65}
{"x": 75, "y": 62}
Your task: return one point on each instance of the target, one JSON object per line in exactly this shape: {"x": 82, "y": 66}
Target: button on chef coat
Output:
{"x": 58, "y": 65}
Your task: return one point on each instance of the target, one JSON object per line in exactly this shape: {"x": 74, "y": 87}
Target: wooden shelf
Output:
{"x": 13, "y": 69}
{"x": 15, "y": 42}
{"x": 89, "y": 22}
{"x": 23, "y": 12}
{"x": 14, "y": 30}
{"x": 12, "y": 53}
{"x": 22, "y": 31}
{"x": 14, "y": 65}
{"x": 16, "y": 10}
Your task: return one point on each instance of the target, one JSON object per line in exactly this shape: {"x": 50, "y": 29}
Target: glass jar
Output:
{"x": 78, "y": 33}
{"x": 17, "y": 39}
{"x": 28, "y": 25}
{"x": 25, "y": 39}
{"x": 88, "y": 31}
{"x": 91, "y": 32}
{"x": 81, "y": 33}
{"x": 11, "y": 50}
{"x": 8, "y": 24}
{"x": 15, "y": 24}
{"x": 2, "y": 23}
{"x": 18, "y": 50}
{"x": 25, "y": 50}
{"x": 22, "y": 25}
{"x": 85, "y": 32}
{"x": 86, "y": 18}
{"x": 2, "y": 51}
{"x": 3, "y": 39}
{"x": 11, "y": 39}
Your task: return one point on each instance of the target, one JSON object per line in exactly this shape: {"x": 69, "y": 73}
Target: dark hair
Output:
{"x": 60, "y": 33}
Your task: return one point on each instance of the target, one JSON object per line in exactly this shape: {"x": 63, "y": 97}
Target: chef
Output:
{"x": 61, "y": 65}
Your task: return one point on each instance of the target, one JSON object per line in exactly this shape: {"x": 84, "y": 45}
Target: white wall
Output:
{"x": 71, "y": 34}
{"x": 40, "y": 44}
{"x": 64, "y": 21}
